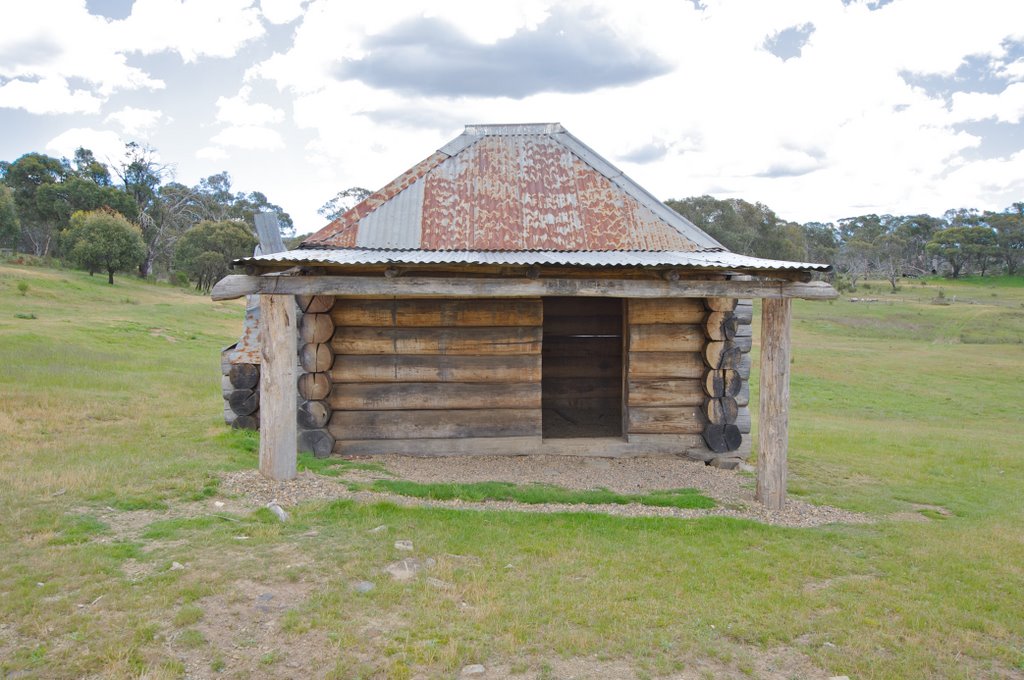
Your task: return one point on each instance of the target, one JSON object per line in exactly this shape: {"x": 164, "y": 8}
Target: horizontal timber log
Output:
{"x": 244, "y": 376}
{"x": 435, "y": 424}
{"x": 743, "y": 396}
{"x": 436, "y": 368}
{"x": 720, "y": 304}
{"x": 682, "y": 392}
{"x": 743, "y": 420}
{"x": 244, "y": 402}
{"x": 721, "y": 326}
{"x": 722, "y": 437}
{"x": 435, "y": 395}
{"x": 744, "y": 312}
{"x": 316, "y": 358}
{"x": 237, "y": 285}
{"x": 666, "y": 420}
{"x": 314, "y": 386}
{"x": 400, "y": 313}
{"x": 679, "y": 310}
{"x": 744, "y": 343}
{"x": 722, "y": 411}
{"x": 314, "y": 415}
{"x": 314, "y": 304}
{"x": 592, "y": 348}
{"x": 666, "y": 337}
{"x": 318, "y": 442}
{"x": 472, "y": 341}
{"x": 576, "y": 307}
{"x": 666, "y": 365}
{"x": 315, "y": 328}
{"x": 724, "y": 354}
{"x": 744, "y": 368}
{"x": 722, "y": 383}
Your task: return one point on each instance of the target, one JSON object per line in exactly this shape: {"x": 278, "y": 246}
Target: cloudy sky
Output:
{"x": 819, "y": 108}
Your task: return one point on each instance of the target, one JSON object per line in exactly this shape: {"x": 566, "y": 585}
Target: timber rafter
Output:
{"x": 235, "y": 286}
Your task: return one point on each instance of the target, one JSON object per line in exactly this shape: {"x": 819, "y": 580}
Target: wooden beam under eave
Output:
{"x": 773, "y": 423}
{"x": 235, "y": 286}
{"x": 278, "y": 392}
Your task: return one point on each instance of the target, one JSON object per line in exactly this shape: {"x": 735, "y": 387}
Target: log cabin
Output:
{"x": 512, "y": 294}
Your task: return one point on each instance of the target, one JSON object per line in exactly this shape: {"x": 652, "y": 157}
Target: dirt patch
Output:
{"x": 733, "y": 491}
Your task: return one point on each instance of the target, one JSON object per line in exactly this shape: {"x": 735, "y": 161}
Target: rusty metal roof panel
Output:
{"x": 704, "y": 259}
{"x": 512, "y": 187}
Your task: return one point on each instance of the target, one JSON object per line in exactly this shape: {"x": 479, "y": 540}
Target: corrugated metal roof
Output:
{"x": 705, "y": 259}
{"x": 514, "y": 187}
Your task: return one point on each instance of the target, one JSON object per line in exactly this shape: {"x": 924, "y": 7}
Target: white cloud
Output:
{"x": 238, "y": 110}
{"x": 252, "y": 137}
{"x": 1006, "y": 106}
{"x": 192, "y": 28}
{"x": 281, "y": 11}
{"x": 136, "y": 122}
{"x": 107, "y": 145}
{"x": 47, "y": 95}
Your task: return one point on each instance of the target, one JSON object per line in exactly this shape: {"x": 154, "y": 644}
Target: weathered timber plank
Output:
{"x": 557, "y": 347}
{"x": 665, "y": 365}
{"x": 597, "y": 447}
{"x": 278, "y": 454}
{"x": 555, "y": 306}
{"x": 773, "y": 417}
{"x": 601, "y": 366}
{"x": 454, "y": 423}
{"x": 743, "y": 396}
{"x": 436, "y": 368}
{"x": 666, "y": 420}
{"x": 590, "y": 387}
{"x": 433, "y": 395}
{"x": 427, "y": 313}
{"x": 744, "y": 368}
{"x": 743, "y": 420}
{"x": 744, "y": 312}
{"x": 666, "y": 337}
{"x": 236, "y": 285}
{"x": 683, "y": 392}
{"x": 582, "y": 325}
{"x": 468, "y": 340}
{"x": 682, "y": 310}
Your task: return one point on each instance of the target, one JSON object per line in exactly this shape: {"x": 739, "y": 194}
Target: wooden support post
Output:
{"x": 773, "y": 425}
{"x": 277, "y": 387}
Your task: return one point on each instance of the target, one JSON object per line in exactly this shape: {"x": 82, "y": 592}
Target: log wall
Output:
{"x": 407, "y": 370}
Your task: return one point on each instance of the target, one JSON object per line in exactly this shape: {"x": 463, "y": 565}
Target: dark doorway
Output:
{"x": 581, "y": 379}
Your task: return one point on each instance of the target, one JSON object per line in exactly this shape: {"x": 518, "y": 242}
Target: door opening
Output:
{"x": 581, "y": 369}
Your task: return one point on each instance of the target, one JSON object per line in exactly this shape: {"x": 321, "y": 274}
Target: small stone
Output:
{"x": 363, "y": 586}
{"x": 406, "y": 569}
{"x": 377, "y": 530}
{"x": 403, "y": 545}
{"x": 475, "y": 670}
{"x": 175, "y": 566}
{"x": 840, "y": 677}
{"x": 218, "y": 504}
{"x": 311, "y": 534}
{"x": 726, "y": 463}
{"x": 265, "y": 597}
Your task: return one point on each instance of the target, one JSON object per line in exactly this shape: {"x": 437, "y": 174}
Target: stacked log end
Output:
{"x": 240, "y": 387}
{"x": 725, "y": 382}
{"x": 316, "y": 359}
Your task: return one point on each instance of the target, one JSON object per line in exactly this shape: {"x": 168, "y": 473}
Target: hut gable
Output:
{"x": 514, "y": 188}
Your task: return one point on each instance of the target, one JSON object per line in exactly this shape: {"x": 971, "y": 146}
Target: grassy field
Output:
{"x": 116, "y": 562}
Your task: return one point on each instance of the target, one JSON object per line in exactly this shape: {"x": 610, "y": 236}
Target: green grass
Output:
{"x": 540, "y": 493}
{"x": 112, "y": 447}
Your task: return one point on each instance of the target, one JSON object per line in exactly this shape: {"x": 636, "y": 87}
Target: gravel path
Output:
{"x": 733, "y": 491}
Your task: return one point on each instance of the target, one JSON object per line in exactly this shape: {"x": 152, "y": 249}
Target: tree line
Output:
{"x": 962, "y": 241}
{"x": 133, "y": 216}
{"x": 128, "y": 216}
